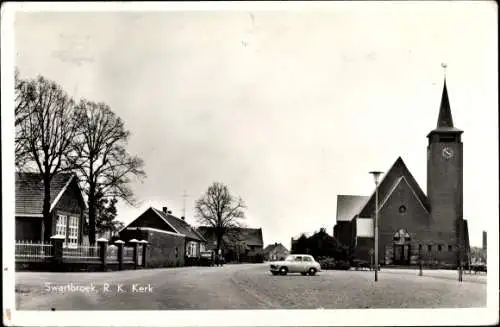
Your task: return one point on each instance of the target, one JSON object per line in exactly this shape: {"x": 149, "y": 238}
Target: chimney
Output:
{"x": 183, "y": 218}
{"x": 170, "y": 212}
{"x": 275, "y": 243}
{"x": 165, "y": 210}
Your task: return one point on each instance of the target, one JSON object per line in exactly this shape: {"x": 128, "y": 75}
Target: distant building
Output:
{"x": 411, "y": 223}
{"x": 484, "y": 240}
{"x": 276, "y": 251}
{"x": 173, "y": 242}
{"x": 238, "y": 244}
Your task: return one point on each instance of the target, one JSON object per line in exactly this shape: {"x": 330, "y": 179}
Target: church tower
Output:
{"x": 445, "y": 176}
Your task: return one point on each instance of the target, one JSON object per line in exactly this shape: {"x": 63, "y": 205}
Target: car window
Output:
{"x": 298, "y": 258}
{"x": 307, "y": 259}
{"x": 290, "y": 258}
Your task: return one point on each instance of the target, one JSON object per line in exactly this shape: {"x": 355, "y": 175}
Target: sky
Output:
{"x": 287, "y": 106}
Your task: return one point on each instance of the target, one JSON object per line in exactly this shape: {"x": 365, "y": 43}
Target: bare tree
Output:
{"x": 220, "y": 210}
{"x": 100, "y": 157}
{"x": 44, "y": 131}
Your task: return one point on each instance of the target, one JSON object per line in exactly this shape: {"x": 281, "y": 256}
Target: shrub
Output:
{"x": 326, "y": 263}
{"x": 342, "y": 265}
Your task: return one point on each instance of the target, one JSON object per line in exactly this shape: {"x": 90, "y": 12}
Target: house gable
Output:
{"x": 70, "y": 199}
{"x": 387, "y": 184}
{"x": 150, "y": 218}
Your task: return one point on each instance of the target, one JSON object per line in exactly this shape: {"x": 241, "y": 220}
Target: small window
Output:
{"x": 429, "y": 248}
{"x": 298, "y": 258}
{"x": 450, "y": 248}
{"x": 440, "y": 247}
{"x": 307, "y": 259}
{"x": 402, "y": 209}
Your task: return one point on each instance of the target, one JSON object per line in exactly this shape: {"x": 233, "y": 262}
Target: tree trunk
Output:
{"x": 92, "y": 214}
{"x": 46, "y": 220}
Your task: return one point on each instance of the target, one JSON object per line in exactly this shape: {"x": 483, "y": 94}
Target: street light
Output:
{"x": 376, "y": 175}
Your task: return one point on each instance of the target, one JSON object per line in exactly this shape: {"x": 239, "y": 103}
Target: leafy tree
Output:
{"x": 219, "y": 209}
{"x": 106, "y": 216}
{"x": 320, "y": 244}
{"x": 44, "y": 131}
{"x": 99, "y": 155}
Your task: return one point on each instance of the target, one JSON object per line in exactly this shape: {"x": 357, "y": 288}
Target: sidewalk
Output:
{"x": 438, "y": 273}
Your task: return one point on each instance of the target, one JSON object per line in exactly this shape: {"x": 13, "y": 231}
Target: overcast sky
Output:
{"x": 287, "y": 107}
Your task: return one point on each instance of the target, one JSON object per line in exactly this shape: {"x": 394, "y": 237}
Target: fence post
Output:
{"x": 103, "y": 249}
{"x": 136, "y": 251}
{"x": 144, "y": 251}
{"x": 57, "y": 251}
{"x": 120, "y": 243}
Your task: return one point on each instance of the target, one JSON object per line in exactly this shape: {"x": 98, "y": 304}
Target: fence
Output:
{"x": 112, "y": 253}
{"x": 32, "y": 251}
{"x": 56, "y": 257}
{"x": 128, "y": 253}
{"x": 82, "y": 252}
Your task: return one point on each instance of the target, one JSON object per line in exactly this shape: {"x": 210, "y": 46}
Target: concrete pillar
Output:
{"x": 144, "y": 251}
{"x": 103, "y": 250}
{"x": 136, "y": 251}
{"x": 119, "y": 244}
{"x": 57, "y": 252}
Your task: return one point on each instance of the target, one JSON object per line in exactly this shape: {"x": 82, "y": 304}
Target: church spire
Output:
{"x": 445, "y": 119}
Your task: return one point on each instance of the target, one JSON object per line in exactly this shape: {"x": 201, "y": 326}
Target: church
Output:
{"x": 413, "y": 226}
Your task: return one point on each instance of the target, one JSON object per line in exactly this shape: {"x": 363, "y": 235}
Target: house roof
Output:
{"x": 251, "y": 236}
{"x": 272, "y": 247}
{"x": 30, "y": 191}
{"x": 387, "y": 186}
{"x": 180, "y": 226}
{"x": 349, "y": 206}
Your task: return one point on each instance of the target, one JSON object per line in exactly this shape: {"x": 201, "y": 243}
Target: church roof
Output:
{"x": 349, "y": 206}
{"x": 445, "y": 119}
{"x": 387, "y": 185}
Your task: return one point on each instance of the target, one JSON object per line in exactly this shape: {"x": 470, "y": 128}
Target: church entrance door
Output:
{"x": 401, "y": 254}
{"x": 401, "y": 248}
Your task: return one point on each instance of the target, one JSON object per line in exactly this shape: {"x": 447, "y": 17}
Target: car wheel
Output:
{"x": 312, "y": 271}
{"x": 283, "y": 271}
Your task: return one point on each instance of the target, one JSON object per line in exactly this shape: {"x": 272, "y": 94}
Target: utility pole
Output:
{"x": 184, "y": 196}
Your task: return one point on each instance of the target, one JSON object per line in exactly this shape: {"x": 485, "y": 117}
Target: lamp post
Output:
{"x": 376, "y": 175}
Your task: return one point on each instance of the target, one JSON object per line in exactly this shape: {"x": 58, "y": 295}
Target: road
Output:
{"x": 245, "y": 286}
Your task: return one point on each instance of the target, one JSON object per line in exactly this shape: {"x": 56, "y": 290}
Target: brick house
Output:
{"x": 276, "y": 251}
{"x": 238, "y": 244}
{"x": 173, "y": 242}
{"x": 67, "y": 208}
{"x": 413, "y": 225}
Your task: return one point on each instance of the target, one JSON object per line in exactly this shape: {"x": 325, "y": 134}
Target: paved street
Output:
{"x": 246, "y": 287}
